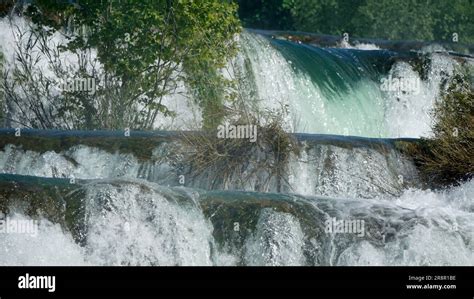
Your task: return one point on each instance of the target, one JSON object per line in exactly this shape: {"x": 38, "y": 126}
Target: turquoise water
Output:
{"x": 338, "y": 90}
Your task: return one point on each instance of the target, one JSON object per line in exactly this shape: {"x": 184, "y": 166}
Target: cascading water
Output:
{"x": 102, "y": 205}
{"x": 315, "y": 84}
{"x": 125, "y": 222}
{"x": 330, "y": 166}
{"x": 339, "y": 90}
{"x": 320, "y": 90}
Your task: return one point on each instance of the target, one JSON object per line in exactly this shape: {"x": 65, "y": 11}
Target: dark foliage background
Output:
{"x": 384, "y": 19}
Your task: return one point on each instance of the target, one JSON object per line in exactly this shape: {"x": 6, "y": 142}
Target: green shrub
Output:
{"x": 144, "y": 50}
{"x": 448, "y": 157}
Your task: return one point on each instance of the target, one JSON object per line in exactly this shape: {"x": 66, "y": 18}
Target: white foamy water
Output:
{"x": 79, "y": 162}
{"x": 52, "y": 246}
{"x": 358, "y": 45}
{"x": 363, "y": 110}
{"x": 133, "y": 223}
{"x": 278, "y": 241}
{"x": 129, "y": 225}
{"x": 445, "y": 237}
{"x": 329, "y": 170}
{"x": 408, "y": 113}
{"x": 350, "y": 172}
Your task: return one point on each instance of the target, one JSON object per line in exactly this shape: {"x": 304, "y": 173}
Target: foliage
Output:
{"x": 32, "y": 96}
{"x": 454, "y": 17}
{"x": 265, "y": 14}
{"x": 385, "y": 19}
{"x": 326, "y": 16}
{"x": 208, "y": 87}
{"x": 226, "y": 161}
{"x": 239, "y": 160}
{"x": 144, "y": 49}
{"x": 448, "y": 157}
{"x": 404, "y": 19}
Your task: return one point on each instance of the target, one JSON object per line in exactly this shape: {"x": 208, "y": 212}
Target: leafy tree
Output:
{"x": 325, "y": 16}
{"x": 145, "y": 47}
{"x": 404, "y": 19}
{"x": 266, "y": 14}
{"x": 414, "y": 19}
{"x": 454, "y": 17}
{"x": 386, "y": 19}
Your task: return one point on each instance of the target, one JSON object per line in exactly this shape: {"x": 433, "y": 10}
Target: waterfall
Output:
{"x": 350, "y": 197}
{"x": 328, "y": 165}
{"x": 320, "y": 90}
{"x": 339, "y": 90}
{"x": 130, "y": 222}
